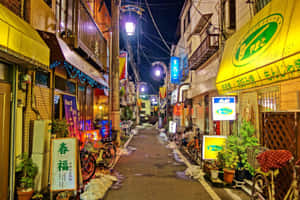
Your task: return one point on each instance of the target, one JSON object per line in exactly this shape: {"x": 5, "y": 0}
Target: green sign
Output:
{"x": 258, "y": 39}
{"x": 225, "y": 111}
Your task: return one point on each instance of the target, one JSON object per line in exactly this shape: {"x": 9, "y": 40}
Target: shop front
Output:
{"x": 261, "y": 66}
{"x": 78, "y": 85}
{"x": 22, "y": 53}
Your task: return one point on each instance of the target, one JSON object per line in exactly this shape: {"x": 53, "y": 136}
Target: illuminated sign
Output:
{"x": 172, "y": 127}
{"x": 175, "y": 70}
{"x": 212, "y": 145}
{"x": 224, "y": 108}
{"x": 260, "y": 36}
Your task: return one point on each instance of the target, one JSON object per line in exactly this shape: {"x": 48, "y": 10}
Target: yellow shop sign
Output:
{"x": 212, "y": 145}
{"x": 264, "y": 51}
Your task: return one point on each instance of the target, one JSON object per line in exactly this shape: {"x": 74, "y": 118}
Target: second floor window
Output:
{"x": 260, "y": 4}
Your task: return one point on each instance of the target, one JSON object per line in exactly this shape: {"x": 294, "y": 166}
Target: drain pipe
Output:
{"x": 13, "y": 134}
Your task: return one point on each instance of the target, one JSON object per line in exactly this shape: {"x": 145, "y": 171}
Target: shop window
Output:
{"x": 232, "y": 15}
{"x": 64, "y": 85}
{"x": 260, "y": 4}
{"x": 42, "y": 78}
{"x": 268, "y": 100}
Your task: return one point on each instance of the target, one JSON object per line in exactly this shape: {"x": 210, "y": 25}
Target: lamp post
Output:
{"x": 114, "y": 70}
{"x": 158, "y": 74}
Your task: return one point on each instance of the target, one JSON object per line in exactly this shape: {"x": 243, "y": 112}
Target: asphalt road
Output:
{"x": 151, "y": 173}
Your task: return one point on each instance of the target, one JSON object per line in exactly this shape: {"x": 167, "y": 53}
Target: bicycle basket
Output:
{"x": 252, "y": 153}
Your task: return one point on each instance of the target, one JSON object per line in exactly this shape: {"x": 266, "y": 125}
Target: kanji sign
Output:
{"x": 175, "y": 70}
{"x": 64, "y": 164}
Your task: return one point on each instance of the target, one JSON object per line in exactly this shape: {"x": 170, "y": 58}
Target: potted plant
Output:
{"x": 230, "y": 162}
{"x": 27, "y": 170}
{"x": 234, "y": 154}
{"x": 60, "y": 128}
{"x": 213, "y": 169}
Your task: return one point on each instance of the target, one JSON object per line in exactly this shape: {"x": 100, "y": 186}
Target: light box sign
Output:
{"x": 175, "y": 70}
{"x": 172, "y": 127}
{"x": 224, "y": 108}
{"x": 212, "y": 145}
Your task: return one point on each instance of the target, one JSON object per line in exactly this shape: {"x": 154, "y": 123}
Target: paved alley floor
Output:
{"x": 153, "y": 174}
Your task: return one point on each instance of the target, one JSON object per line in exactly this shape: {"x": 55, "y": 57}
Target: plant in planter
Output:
{"x": 60, "y": 128}
{"x": 229, "y": 160}
{"x": 235, "y": 150}
{"x": 26, "y": 170}
{"x": 214, "y": 169}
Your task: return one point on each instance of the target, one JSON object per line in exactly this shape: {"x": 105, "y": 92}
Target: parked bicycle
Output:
{"x": 194, "y": 147}
{"x": 97, "y": 153}
{"x": 263, "y": 187}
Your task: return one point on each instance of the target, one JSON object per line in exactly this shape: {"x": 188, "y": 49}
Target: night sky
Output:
{"x": 166, "y": 14}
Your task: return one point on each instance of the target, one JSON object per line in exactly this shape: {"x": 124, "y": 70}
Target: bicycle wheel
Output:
{"x": 88, "y": 165}
{"x": 260, "y": 188}
{"x": 109, "y": 155}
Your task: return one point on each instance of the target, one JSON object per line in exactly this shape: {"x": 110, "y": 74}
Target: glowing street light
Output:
{"x": 142, "y": 89}
{"x": 157, "y": 73}
{"x": 130, "y": 28}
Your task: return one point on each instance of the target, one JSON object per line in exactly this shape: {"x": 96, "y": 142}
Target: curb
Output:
{"x": 124, "y": 146}
{"x": 208, "y": 189}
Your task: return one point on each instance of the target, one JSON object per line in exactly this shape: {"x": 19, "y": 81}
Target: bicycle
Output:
{"x": 263, "y": 187}
{"x": 102, "y": 153}
{"x": 194, "y": 147}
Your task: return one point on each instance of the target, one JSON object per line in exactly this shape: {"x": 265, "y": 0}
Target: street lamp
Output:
{"x": 130, "y": 28}
{"x": 157, "y": 73}
{"x": 142, "y": 89}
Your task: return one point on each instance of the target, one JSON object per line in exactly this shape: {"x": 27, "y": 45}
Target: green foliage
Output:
{"x": 237, "y": 145}
{"x": 28, "y": 171}
{"x": 126, "y": 113}
{"x": 60, "y": 127}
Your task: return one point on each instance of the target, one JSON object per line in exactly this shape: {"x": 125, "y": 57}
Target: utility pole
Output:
{"x": 115, "y": 87}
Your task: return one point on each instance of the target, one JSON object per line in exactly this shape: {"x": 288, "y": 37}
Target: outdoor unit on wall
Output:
{"x": 41, "y": 152}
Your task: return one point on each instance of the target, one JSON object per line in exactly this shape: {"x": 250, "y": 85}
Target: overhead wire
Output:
{"x": 157, "y": 45}
{"x": 155, "y": 25}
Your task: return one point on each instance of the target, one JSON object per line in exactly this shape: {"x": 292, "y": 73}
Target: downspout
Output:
{"x": 13, "y": 133}
{"x": 33, "y": 98}
{"x": 179, "y": 91}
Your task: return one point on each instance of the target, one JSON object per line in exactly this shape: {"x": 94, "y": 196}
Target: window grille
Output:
{"x": 260, "y": 4}
{"x": 268, "y": 100}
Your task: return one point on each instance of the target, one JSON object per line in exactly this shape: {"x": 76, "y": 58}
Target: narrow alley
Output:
{"x": 152, "y": 173}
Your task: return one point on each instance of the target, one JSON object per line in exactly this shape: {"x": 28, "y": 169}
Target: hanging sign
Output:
{"x": 64, "y": 164}
{"x": 175, "y": 70}
{"x": 224, "y": 108}
{"x": 71, "y": 114}
{"x": 123, "y": 65}
{"x": 212, "y": 145}
{"x": 172, "y": 127}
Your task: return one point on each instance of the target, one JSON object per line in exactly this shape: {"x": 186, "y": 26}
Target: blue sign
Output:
{"x": 175, "y": 70}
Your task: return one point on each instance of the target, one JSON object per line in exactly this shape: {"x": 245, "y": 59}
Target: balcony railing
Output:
{"x": 89, "y": 37}
{"x": 205, "y": 50}
{"x": 78, "y": 28}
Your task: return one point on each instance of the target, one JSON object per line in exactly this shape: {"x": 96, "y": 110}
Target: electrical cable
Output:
{"x": 155, "y": 37}
{"x": 156, "y": 44}
{"x": 155, "y": 25}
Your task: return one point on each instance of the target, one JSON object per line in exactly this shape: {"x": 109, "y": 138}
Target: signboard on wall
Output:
{"x": 64, "y": 164}
{"x": 212, "y": 145}
{"x": 123, "y": 65}
{"x": 224, "y": 108}
{"x": 175, "y": 70}
{"x": 172, "y": 127}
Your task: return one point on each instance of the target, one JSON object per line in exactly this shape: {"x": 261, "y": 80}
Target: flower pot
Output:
{"x": 228, "y": 175}
{"x": 24, "y": 195}
{"x": 214, "y": 173}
